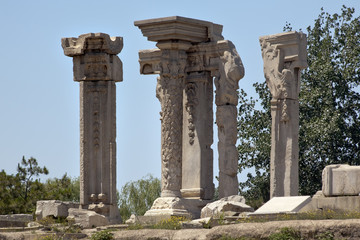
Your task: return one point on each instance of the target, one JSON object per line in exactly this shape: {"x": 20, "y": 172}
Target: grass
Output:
{"x": 173, "y": 223}
{"x": 102, "y": 235}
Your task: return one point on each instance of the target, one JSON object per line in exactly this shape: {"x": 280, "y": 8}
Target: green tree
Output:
{"x": 329, "y": 108}
{"x": 64, "y": 188}
{"x": 136, "y": 197}
{"x": 20, "y": 192}
{"x": 31, "y": 187}
{"x": 7, "y": 188}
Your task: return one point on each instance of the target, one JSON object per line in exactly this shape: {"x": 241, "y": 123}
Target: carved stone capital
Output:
{"x": 231, "y": 70}
{"x": 94, "y": 56}
{"x": 284, "y": 56}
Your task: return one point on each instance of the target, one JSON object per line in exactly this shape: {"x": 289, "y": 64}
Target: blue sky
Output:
{"x": 39, "y": 100}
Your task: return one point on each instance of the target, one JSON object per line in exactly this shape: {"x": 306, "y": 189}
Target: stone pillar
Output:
{"x": 169, "y": 91}
{"x": 97, "y": 68}
{"x": 230, "y": 72}
{"x": 190, "y": 53}
{"x": 284, "y": 56}
{"x": 197, "y": 171}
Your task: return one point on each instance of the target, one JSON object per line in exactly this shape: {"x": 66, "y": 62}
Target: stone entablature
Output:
{"x": 284, "y": 56}
{"x": 97, "y": 68}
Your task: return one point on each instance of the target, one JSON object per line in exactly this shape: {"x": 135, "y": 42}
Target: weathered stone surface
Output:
{"x": 231, "y": 70}
{"x": 174, "y": 206}
{"x": 284, "y": 56}
{"x": 94, "y": 56}
{"x": 341, "y": 180}
{"x": 181, "y": 28}
{"x": 56, "y": 208}
{"x": 87, "y": 218}
{"x": 343, "y": 203}
{"x": 97, "y": 68}
{"x": 197, "y": 155}
{"x": 283, "y": 205}
{"x": 308, "y": 229}
{"x": 191, "y": 52}
{"x": 234, "y": 204}
{"x": 15, "y": 220}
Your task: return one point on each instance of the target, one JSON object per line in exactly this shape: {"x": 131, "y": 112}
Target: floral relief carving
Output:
{"x": 190, "y": 107}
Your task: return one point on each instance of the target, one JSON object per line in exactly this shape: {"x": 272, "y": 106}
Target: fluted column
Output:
{"x": 97, "y": 68}
{"x": 284, "y": 56}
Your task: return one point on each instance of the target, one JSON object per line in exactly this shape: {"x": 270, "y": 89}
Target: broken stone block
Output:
{"x": 341, "y": 180}
{"x": 86, "y": 218}
{"x": 232, "y": 204}
{"x": 54, "y": 208}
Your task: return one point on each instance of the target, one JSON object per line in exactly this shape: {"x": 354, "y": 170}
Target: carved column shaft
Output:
{"x": 97, "y": 141}
{"x": 97, "y": 68}
{"x": 284, "y": 155}
{"x": 170, "y": 94}
{"x": 205, "y": 54}
{"x": 284, "y": 55}
{"x": 230, "y": 72}
{"x": 197, "y": 170}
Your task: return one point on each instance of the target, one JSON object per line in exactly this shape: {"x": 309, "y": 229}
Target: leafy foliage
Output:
{"x": 286, "y": 234}
{"x": 102, "y": 235}
{"x": 64, "y": 188}
{"x": 330, "y": 97}
{"x": 254, "y": 145}
{"x": 329, "y": 109}
{"x": 173, "y": 223}
{"x": 20, "y": 192}
{"x": 136, "y": 197}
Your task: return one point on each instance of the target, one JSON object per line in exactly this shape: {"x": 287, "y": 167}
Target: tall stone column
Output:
{"x": 169, "y": 91}
{"x": 230, "y": 72}
{"x": 97, "y": 68}
{"x": 189, "y": 53}
{"x": 284, "y": 56}
{"x": 197, "y": 171}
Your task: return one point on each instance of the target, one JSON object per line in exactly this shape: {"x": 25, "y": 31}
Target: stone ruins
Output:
{"x": 284, "y": 56}
{"x": 97, "y": 69}
{"x": 191, "y": 57}
{"x": 190, "y": 54}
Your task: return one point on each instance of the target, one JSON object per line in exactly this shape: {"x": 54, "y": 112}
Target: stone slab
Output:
{"x": 15, "y": 220}
{"x": 343, "y": 203}
{"x": 181, "y": 28}
{"x": 283, "y": 205}
{"x": 341, "y": 180}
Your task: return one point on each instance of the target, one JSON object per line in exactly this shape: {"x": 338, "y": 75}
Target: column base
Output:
{"x": 170, "y": 193}
{"x": 111, "y": 212}
{"x": 192, "y": 193}
{"x": 175, "y": 206}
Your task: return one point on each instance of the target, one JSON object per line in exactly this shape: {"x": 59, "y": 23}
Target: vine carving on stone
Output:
{"x": 171, "y": 131}
{"x": 190, "y": 106}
